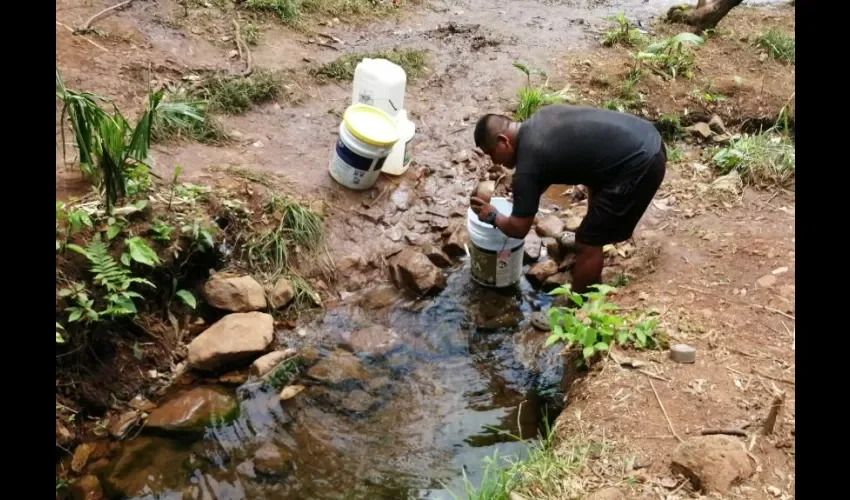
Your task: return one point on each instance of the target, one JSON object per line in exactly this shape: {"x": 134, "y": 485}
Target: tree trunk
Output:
{"x": 705, "y": 15}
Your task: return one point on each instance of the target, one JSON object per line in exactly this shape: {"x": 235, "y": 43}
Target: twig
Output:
{"x": 87, "y": 27}
{"x": 778, "y": 379}
{"x": 747, "y": 304}
{"x": 378, "y": 198}
{"x": 518, "y": 415}
{"x": 242, "y": 46}
{"x": 773, "y": 414}
{"x": 669, "y": 423}
{"x": 84, "y": 37}
{"x": 728, "y": 432}
{"x": 653, "y": 375}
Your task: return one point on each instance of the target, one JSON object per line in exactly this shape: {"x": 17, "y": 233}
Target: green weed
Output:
{"x": 59, "y": 329}
{"x": 778, "y": 45}
{"x": 674, "y": 57}
{"x": 413, "y": 62}
{"x": 250, "y": 32}
{"x": 237, "y": 94}
{"x": 670, "y": 127}
{"x": 594, "y": 326}
{"x": 530, "y": 98}
{"x": 294, "y": 228}
{"x": 762, "y": 160}
{"x": 624, "y": 33}
{"x": 161, "y": 231}
{"x": 281, "y": 375}
{"x": 289, "y": 11}
{"x": 181, "y": 118}
{"x": 675, "y": 154}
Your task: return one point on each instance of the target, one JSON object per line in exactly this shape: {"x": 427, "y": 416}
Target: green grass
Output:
{"x": 628, "y": 97}
{"x": 250, "y": 32}
{"x": 675, "y": 154}
{"x": 237, "y": 94}
{"x": 181, "y": 118}
{"x": 531, "y": 98}
{"x": 547, "y": 473}
{"x": 292, "y": 12}
{"x": 778, "y": 45}
{"x": 670, "y": 127}
{"x": 673, "y": 56}
{"x": 624, "y": 33}
{"x": 411, "y": 60}
{"x": 763, "y": 160}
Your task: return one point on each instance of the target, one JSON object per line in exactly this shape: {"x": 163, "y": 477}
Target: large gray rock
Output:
{"x": 413, "y": 271}
{"x": 337, "y": 368}
{"x": 549, "y": 226}
{"x": 235, "y": 293}
{"x": 194, "y": 410}
{"x": 235, "y": 337}
{"x": 712, "y": 463}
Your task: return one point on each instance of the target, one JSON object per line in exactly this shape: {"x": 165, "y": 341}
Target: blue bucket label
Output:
{"x": 348, "y": 164}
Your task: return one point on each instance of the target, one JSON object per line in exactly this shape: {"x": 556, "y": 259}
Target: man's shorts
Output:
{"x": 615, "y": 210}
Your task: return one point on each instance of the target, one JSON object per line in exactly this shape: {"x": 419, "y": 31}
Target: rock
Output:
{"x": 233, "y": 338}
{"x": 540, "y": 321}
{"x": 141, "y": 459}
{"x": 683, "y": 353}
{"x": 573, "y": 222}
{"x": 379, "y": 296}
{"x": 282, "y": 294}
{"x": 721, "y": 138}
{"x": 730, "y": 183}
{"x": 553, "y": 248}
{"x": 416, "y": 239}
{"x": 235, "y": 377}
{"x": 716, "y": 125}
{"x": 87, "y": 488}
{"x": 268, "y": 362}
{"x": 194, "y": 410}
{"x": 81, "y": 457}
{"x": 437, "y": 256}
{"x": 461, "y": 156}
{"x": 490, "y": 310}
{"x": 550, "y": 226}
{"x": 567, "y": 242}
{"x": 556, "y": 280}
{"x": 120, "y": 426}
{"x": 766, "y": 281}
{"x": 701, "y": 130}
{"x": 309, "y": 355}
{"x": 270, "y": 460}
{"x": 401, "y": 198}
{"x": 358, "y": 401}
{"x": 610, "y": 493}
{"x": 412, "y": 270}
{"x": 372, "y": 340}
{"x": 234, "y": 293}
{"x": 532, "y": 247}
{"x": 455, "y": 245}
{"x": 542, "y": 270}
{"x": 712, "y": 463}
{"x": 290, "y": 392}
{"x": 339, "y": 367}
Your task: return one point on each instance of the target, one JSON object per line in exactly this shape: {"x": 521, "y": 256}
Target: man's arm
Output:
{"x": 514, "y": 227}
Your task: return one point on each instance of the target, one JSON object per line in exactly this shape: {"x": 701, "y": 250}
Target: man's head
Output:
{"x": 496, "y": 137}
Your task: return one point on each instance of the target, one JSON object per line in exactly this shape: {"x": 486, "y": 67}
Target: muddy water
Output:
{"x": 440, "y": 399}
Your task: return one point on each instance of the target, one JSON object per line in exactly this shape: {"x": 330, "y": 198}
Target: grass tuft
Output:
{"x": 250, "y": 32}
{"x": 289, "y": 11}
{"x": 763, "y": 160}
{"x": 342, "y": 68}
{"x": 624, "y": 33}
{"x": 236, "y": 94}
{"x": 181, "y": 118}
{"x": 670, "y": 127}
{"x": 778, "y": 45}
{"x": 531, "y": 99}
{"x": 293, "y": 12}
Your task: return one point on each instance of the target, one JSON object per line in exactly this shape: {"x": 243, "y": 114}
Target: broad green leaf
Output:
{"x": 641, "y": 338}
{"x": 187, "y": 298}
{"x": 125, "y": 259}
{"x": 75, "y": 315}
{"x": 587, "y": 352}
{"x": 600, "y": 346}
{"x": 113, "y": 231}
{"x": 552, "y": 339}
{"x": 77, "y": 248}
{"x": 622, "y": 337}
{"x": 141, "y": 252}
{"x": 59, "y": 339}
{"x": 687, "y": 38}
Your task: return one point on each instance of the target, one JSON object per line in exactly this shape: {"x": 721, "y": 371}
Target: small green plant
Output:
{"x": 530, "y": 98}
{"x": 594, "y": 326}
{"x": 69, "y": 221}
{"x": 674, "y": 57}
{"x": 670, "y": 127}
{"x": 762, "y": 160}
{"x": 289, "y": 11}
{"x": 675, "y": 154}
{"x": 161, "y": 231}
{"x": 181, "y": 118}
{"x": 201, "y": 237}
{"x": 139, "y": 251}
{"x": 59, "y": 329}
{"x": 236, "y": 94}
{"x": 624, "y": 32}
{"x": 250, "y": 33}
{"x": 281, "y": 374}
{"x": 114, "y": 278}
{"x": 778, "y": 45}
{"x": 628, "y": 97}
{"x": 293, "y": 226}
{"x": 413, "y": 62}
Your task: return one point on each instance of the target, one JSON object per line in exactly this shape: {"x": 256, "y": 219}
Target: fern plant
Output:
{"x": 113, "y": 277}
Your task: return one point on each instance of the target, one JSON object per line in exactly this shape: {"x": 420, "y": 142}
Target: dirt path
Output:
{"x": 724, "y": 278}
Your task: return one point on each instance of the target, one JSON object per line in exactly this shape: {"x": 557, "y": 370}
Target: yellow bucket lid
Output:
{"x": 371, "y": 125}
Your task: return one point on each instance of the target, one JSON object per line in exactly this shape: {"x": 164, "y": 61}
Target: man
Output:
{"x": 619, "y": 157}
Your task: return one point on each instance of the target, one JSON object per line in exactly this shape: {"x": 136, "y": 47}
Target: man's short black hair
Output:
{"x": 488, "y": 128}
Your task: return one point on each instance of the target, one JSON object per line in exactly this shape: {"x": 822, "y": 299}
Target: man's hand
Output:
{"x": 481, "y": 208}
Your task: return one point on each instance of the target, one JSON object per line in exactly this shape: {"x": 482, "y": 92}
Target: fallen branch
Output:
{"x": 669, "y": 423}
{"x": 653, "y": 375}
{"x": 240, "y": 45}
{"x": 87, "y": 27}
{"x": 771, "y": 377}
{"x": 728, "y": 432}
{"x": 774, "y": 414}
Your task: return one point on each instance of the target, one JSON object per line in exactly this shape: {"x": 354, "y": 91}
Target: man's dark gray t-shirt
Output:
{"x": 562, "y": 144}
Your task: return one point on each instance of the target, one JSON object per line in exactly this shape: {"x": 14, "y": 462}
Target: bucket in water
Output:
{"x": 495, "y": 259}
{"x": 398, "y": 160}
{"x": 366, "y": 137}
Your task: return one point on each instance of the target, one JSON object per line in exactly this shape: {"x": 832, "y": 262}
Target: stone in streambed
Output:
{"x": 542, "y": 270}
{"x": 234, "y": 293}
{"x": 549, "y": 226}
{"x": 282, "y": 294}
{"x": 235, "y": 337}
{"x": 413, "y": 271}
{"x": 437, "y": 256}
{"x": 272, "y": 460}
{"x": 267, "y": 362}
{"x": 194, "y": 410}
{"x": 338, "y": 367}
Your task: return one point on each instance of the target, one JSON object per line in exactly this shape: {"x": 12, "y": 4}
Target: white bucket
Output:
{"x": 366, "y": 137}
{"x": 399, "y": 159}
{"x": 495, "y": 259}
{"x": 379, "y": 83}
